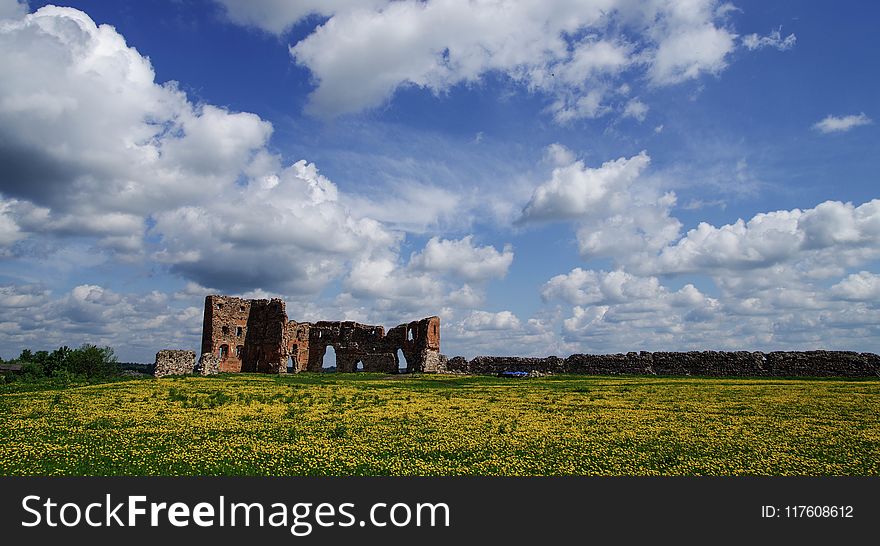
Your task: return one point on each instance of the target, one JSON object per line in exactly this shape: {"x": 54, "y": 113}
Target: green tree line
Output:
{"x": 88, "y": 362}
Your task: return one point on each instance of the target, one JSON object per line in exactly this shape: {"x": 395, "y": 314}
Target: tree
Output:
{"x": 91, "y": 361}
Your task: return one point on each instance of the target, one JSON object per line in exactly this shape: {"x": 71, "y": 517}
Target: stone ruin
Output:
{"x": 256, "y": 336}
{"x": 172, "y": 362}
{"x": 175, "y": 362}
{"x": 241, "y": 335}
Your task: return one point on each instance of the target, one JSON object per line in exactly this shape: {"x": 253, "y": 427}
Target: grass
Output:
{"x": 371, "y": 424}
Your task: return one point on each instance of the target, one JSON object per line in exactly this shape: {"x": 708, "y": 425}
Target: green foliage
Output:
{"x": 32, "y": 371}
{"x": 91, "y": 361}
{"x": 64, "y": 366}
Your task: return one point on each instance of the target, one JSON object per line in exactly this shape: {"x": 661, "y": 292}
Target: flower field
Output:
{"x": 370, "y": 424}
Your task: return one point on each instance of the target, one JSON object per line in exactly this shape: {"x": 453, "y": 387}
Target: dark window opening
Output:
{"x": 224, "y": 351}
{"x": 239, "y": 350}
{"x": 225, "y": 330}
{"x": 219, "y": 306}
{"x": 241, "y": 308}
{"x": 239, "y": 331}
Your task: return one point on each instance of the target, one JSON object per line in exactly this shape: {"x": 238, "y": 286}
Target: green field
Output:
{"x": 371, "y": 424}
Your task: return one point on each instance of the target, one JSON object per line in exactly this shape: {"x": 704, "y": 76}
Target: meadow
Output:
{"x": 373, "y": 424}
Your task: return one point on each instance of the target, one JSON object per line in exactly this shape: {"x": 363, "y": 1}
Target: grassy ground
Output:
{"x": 368, "y": 424}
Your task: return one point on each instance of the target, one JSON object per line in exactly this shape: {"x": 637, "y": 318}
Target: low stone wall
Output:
{"x": 704, "y": 363}
{"x": 173, "y": 362}
{"x": 209, "y": 364}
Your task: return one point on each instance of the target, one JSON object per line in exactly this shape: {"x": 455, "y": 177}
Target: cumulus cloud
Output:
{"x": 774, "y": 40}
{"x": 91, "y": 143}
{"x": 484, "y": 320}
{"x": 575, "y": 190}
{"x": 93, "y": 146}
{"x": 605, "y": 300}
{"x": 861, "y": 286}
{"x": 616, "y": 211}
{"x": 831, "y": 228}
{"x": 443, "y": 273}
{"x": 589, "y": 287}
{"x": 841, "y": 124}
{"x": 462, "y": 259}
{"x": 363, "y": 51}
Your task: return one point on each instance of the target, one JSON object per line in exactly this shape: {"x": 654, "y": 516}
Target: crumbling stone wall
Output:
{"x": 209, "y": 364}
{"x": 174, "y": 362}
{"x": 702, "y": 363}
{"x": 265, "y": 344}
{"x": 256, "y": 336}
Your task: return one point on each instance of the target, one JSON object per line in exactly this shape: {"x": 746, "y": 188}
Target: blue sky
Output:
{"x": 547, "y": 177}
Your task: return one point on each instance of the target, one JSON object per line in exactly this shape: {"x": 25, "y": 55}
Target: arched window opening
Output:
{"x": 329, "y": 364}
{"x": 239, "y": 350}
{"x": 402, "y": 365}
{"x": 224, "y": 351}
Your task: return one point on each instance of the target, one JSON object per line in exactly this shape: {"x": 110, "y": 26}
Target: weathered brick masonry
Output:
{"x": 256, "y": 336}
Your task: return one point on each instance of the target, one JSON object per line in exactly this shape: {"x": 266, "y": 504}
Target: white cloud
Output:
{"x": 572, "y": 51}
{"x": 589, "y": 287}
{"x": 832, "y": 228}
{"x": 635, "y": 109}
{"x": 408, "y": 206}
{"x": 841, "y": 124}
{"x": 284, "y": 231}
{"x": 484, "y": 320}
{"x": 462, "y": 259}
{"x": 91, "y": 313}
{"x": 93, "y": 146}
{"x": 861, "y": 286}
{"x": 575, "y": 190}
{"x": 686, "y": 55}
{"x": 774, "y": 39}
{"x": 617, "y": 213}
{"x": 277, "y": 16}
{"x": 91, "y": 143}
{"x": 9, "y": 230}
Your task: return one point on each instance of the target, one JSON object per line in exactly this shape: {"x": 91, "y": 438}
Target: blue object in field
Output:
{"x": 513, "y": 374}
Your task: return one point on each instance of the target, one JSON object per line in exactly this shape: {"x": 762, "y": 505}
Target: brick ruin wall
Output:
{"x": 256, "y": 336}
{"x": 701, "y": 363}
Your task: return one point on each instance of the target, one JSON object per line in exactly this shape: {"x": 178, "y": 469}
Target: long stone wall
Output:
{"x": 703, "y": 363}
